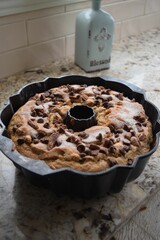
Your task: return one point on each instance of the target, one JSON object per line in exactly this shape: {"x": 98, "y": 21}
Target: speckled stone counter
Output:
{"x": 29, "y": 212}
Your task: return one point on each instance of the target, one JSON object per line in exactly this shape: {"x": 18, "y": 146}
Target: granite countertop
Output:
{"x": 29, "y": 212}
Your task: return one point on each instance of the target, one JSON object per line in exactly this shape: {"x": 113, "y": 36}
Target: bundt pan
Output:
{"x": 66, "y": 180}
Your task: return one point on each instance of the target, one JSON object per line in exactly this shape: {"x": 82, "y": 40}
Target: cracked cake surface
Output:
{"x": 122, "y": 131}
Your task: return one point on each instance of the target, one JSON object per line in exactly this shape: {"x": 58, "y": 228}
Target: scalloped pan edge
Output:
{"x": 66, "y": 180}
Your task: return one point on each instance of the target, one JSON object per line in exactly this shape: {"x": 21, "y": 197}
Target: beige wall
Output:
{"x": 30, "y": 39}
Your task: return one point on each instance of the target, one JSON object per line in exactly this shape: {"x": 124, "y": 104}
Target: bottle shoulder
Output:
{"x": 97, "y": 15}
{"x": 104, "y": 16}
{"x": 108, "y": 16}
{"x": 85, "y": 13}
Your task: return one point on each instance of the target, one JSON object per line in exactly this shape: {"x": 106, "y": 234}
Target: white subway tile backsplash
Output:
{"x": 70, "y": 45}
{"x": 77, "y": 6}
{"x": 30, "y": 39}
{"x": 12, "y": 36}
{"x": 117, "y": 33}
{"x": 43, "y": 29}
{"x": 28, "y": 57}
{"x": 137, "y": 25}
{"x": 87, "y": 4}
{"x": 152, "y": 6}
{"x": 104, "y": 2}
{"x": 31, "y": 15}
{"x": 126, "y": 9}
{"x": 46, "y": 52}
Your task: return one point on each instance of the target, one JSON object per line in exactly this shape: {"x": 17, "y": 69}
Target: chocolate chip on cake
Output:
{"x": 72, "y": 139}
{"x": 40, "y": 120}
{"x": 120, "y": 96}
{"x": 139, "y": 127}
{"x": 88, "y": 151}
{"x": 126, "y": 128}
{"x": 32, "y": 124}
{"x": 35, "y": 141}
{"x": 81, "y": 148}
{"x": 140, "y": 118}
{"x": 94, "y": 147}
{"x": 97, "y": 102}
{"x": 84, "y": 97}
{"x": 122, "y": 151}
{"x": 142, "y": 137}
{"x": 50, "y": 145}
{"x": 103, "y": 150}
{"x": 45, "y": 140}
{"x": 116, "y": 135}
{"x": 117, "y": 140}
{"x": 71, "y": 93}
{"x": 46, "y": 125}
{"x": 20, "y": 141}
{"x": 82, "y": 155}
{"x": 61, "y": 130}
{"x": 80, "y": 89}
{"x": 82, "y": 160}
{"x": 112, "y": 150}
{"x": 33, "y": 113}
{"x": 99, "y": 137}
{"x": 70, "y": 130}
{"x": 127, "y": 147}
{"x": 52, "y": 141}
{"x": 38, "y": 102}
{"x": 112, "y": 128}
{"x": 58, "y": 143}
{"x": 40, "y": 112}
{"x": 119, "y": 131}
{"x": 14, "y": 129}
{"x": 42, "y": 97}
{"x": 107, "y": 104}
{"x": 106, "y": 91}
{"x": 46, "y": 94}
{"x": 107, "y": 143}
{"x": 132, "y": 132}
{"x": 109, "y": 99}
{"x": 144, "y": 124}
{"x": 94, "y": 152}
{"x": 83, "y": 135}
{"x": 126, "y": 141}
{"x": 41, "y": 135}
{"x": 130, "y": 161}
{"x": 111, "y": 162}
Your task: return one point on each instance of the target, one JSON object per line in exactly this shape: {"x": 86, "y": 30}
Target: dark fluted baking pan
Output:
{"x": 66, "y": 180}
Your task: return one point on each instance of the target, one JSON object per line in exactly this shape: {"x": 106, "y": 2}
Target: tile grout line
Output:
{"x": 144, "y": 230}
{"x": 134, "y": 212}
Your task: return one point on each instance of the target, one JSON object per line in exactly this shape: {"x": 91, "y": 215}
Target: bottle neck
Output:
{"x": 96, "y": 4}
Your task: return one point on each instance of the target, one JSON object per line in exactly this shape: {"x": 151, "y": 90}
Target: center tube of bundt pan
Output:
{"x": 80, "y": 117}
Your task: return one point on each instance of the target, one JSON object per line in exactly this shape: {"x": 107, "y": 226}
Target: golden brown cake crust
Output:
{"x": 123, "y": 130}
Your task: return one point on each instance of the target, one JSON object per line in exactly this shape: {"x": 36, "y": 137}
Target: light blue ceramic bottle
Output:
{"x": 93, "y": 38}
